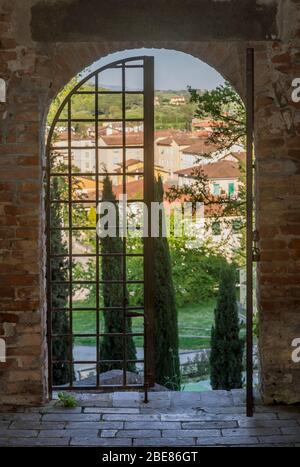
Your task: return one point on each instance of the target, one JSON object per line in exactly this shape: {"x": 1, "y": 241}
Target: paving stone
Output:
{"x": 190, "y": 433}
{"x": 37, "y": 425}
{"x": 4, "y": 442}
{"x": 253, "y": 422}
{"x": 217, "y": 409}
{"x": 291, "y": 430}
{"x": 89, "y": 400}
{"x": 229, "y": 441}
{"x": 262, "y": 416}
{"x": 152, "y": 425}
{"x": 72, "y": 417}
{"x": 238, "y": 397}
{"x": 131, "y": 417}
{"x": 156, "y": 400}
{"x": 64, "y": 410}
{"x": 208, "y": 425}
{"x": 82, "y": 425}
{"x": 139, "y": 434}
{"x": 157, "y": 410}
{"x": 289, "y": 415}
{"x": 118, "y": 410}
{"x": 4, "y": 425}
{"x": 250, "y": 431}
{"x": 15, "y": 433}
{"x": 267, "y": 408}
{"x": 95, "y": 409}
{"x": 68, "y": 433}
{"x": 20, "y": 416}
{"x": 186, "y": 399}
{"x": 101, "y": 442}
{"x": 127, "y": 399}
{"x": 157, "y": 404}
{"x": 282, "y": 439}
{"x": 95, "y": 405}
{"x": 165, "y": 442}
{"x": 170, "y": 419}
{"x": 102, "y": 425}
{"x": 202, "y": 417}
{"x": 216, "y": 399}
{"x": 39, "y": 442}
{"x": 108, "y": 433}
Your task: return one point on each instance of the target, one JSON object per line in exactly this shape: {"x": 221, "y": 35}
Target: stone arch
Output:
{"x": 69, "y": 59}
{"x": 44, "y": 44}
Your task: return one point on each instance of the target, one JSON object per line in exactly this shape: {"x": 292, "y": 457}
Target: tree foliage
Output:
{"x": 61, "y": 347}
{"x": 226, "y": 109}
{"x": 226, "y": 346}
{"x": 112, "y": 347}
{"x": 167, "y": 369}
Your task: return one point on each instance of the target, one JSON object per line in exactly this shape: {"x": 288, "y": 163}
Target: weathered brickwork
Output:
{"x": 35, "y": 71}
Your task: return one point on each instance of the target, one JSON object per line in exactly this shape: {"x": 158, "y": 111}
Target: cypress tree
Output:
{"x": 60, "y": 319}
{"x": 226, "y": 346}
{"x": 111, "y": 347}
{"x": 167, "y": 367}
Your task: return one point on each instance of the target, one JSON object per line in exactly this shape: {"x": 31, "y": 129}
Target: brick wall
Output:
{"x": 35, "y": 71}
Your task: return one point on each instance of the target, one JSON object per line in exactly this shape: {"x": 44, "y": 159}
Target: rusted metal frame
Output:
{"x": 89, "y": 201}
{"x": 91, "y": 120}
{"x": 124, "y": 221}
{"x": 93, "y": 255}
{"x": 97, "y": 239}
{"x": 70, "y": 203}
{"x": 92, "y": 174}
{"x": 115, "y": 308}
{"x": 48, "y": 261}
{"x": 148, "y": 241}
{"x": 102, "y": 389}
{"x": 108, "y": 92}
{"x": 100, "y": 334}
{"x": 249, "y": 197}
{"x": 70, "y": 340}
{"x": 76, "y": 148}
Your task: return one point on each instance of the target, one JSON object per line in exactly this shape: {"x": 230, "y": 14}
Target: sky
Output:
{"x": 173, "y": 70}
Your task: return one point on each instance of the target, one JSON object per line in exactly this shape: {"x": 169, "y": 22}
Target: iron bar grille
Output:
{"x": 92, "y": 141}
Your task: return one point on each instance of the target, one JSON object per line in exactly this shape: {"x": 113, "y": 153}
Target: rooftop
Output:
{"x": 215, "y": 170}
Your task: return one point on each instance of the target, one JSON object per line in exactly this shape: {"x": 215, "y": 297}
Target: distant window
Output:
{"x": 2, "y": 90}
{"x": 230, "y": 189}
{"x": 216, "y": 228}
{"x": 216, "y": 189}
{"x": 237, "y": 225}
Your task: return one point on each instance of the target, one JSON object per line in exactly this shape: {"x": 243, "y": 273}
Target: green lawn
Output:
{"x": 194, "y": 324}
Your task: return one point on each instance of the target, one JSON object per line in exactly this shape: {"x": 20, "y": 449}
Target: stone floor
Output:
{"x": 169, "y": 419}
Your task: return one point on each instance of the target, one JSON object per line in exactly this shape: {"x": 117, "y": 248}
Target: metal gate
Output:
{"x": 252, "y": 235}
{"x": 85, "y": 145}
{"x": 72, "y": 215}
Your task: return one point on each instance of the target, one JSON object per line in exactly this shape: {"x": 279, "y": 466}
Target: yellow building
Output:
{"x": 135, "y": 169}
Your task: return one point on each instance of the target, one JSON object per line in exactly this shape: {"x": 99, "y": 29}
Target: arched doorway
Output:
{"x": 72, "y": 178}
